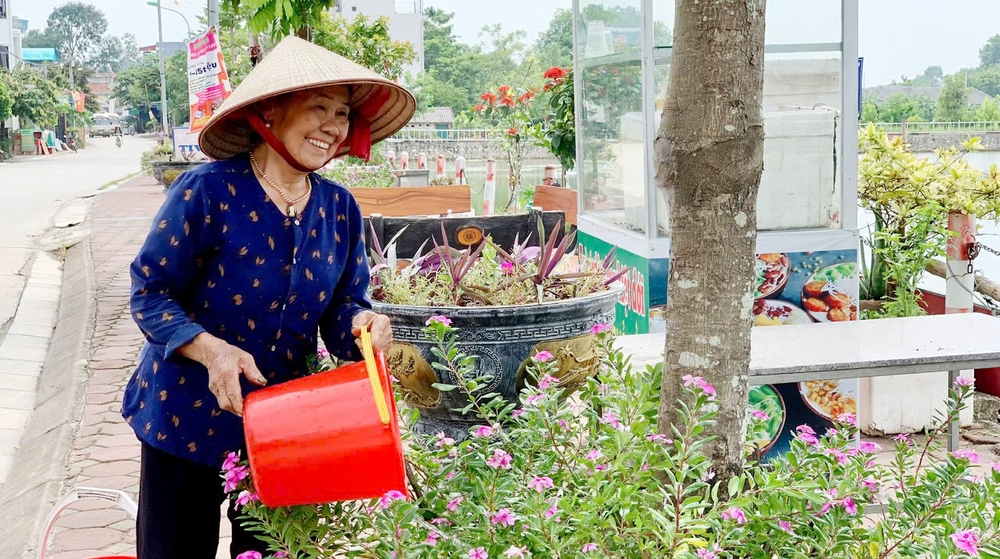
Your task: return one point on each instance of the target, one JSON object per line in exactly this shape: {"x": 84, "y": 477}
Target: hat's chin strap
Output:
{"x": 359, "y": 135}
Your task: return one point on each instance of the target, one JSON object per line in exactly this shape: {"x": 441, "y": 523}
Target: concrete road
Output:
{"x": 32, "y": 190}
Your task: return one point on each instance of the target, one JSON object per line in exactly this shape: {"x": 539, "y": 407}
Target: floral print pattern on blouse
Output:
{"x": 222, "y": 258}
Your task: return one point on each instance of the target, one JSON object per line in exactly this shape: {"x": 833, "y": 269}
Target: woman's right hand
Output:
{"x": 225, "y": 364}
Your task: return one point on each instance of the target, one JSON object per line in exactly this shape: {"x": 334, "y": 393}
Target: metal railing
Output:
{"x": 454, "y": 135}
{"x": 926, "y": 127}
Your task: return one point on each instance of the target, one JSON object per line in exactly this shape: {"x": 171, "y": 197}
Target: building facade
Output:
{"x": 406, "y": 23}
{"x": 8, "y": 49}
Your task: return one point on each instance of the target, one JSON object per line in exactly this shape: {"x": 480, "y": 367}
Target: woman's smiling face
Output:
{"x": 312, "y": 123}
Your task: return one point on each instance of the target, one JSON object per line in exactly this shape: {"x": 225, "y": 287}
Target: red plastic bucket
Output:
{"x": 323, "y": 438}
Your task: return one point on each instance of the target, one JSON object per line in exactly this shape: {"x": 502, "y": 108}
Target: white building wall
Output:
{"x": 7, "y": 29}
{"x": 406, "y": 23}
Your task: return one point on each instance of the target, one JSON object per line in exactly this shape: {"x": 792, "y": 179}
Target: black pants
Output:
{"x": 179, "y": 510}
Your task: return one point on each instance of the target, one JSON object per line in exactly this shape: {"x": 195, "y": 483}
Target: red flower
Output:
{"x": 524, "y": 98}
{"x": 479, "y": 108}
{"x": 507, "y": 101}
{"x": 503, "y": 89}
{"x": 512, "y": 132}
{"x": 555, "y": 73}
{"x": 490, "y": 98}
{"x": 549, "y": 86}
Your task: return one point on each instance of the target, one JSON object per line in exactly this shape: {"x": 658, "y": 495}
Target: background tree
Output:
{"x": 40, "y": 39}
{"x": 138, "y": 87}
{"x": 109, "y": 55}
{"x": 554, "y": 46}
{"x": 178, "y": 101}
{"x": 365, "y": 41}
{"x": 989, "y": 111}
{"x": 989, "y": 55}
{"x": 6, "y": 109}
{"x": 953, "y": 104}
{"x": 79, "y": 28}
{"x": 897, "y": 107}
{"x": 35, "y": 98}
{"x": 986, "y": 80}
{"x": 709, "y": 155}
{"x": 280, "y": 18}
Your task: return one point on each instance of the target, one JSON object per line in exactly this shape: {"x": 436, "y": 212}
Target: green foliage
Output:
{"x": 953, "y": 104}
{"x": 280, "y": 18}
{"x": 932, "y": 76}
{"x": 40, "y": 39}
{"x": 138, "y": 86}
{"x": 554, "y": 476}
{"x": 6, "y": 102}
{"x": 156, "y": 154}
{"x": 36, "y": 98}
{"x": 986, "y": 80}
{"x": 507, "y": 112}
{"x": 78, "y": 28}
{"x": 361, "y": 176}
{"x": 177, "y": 88}
{"x": 554, "y": 46}
{"x": 910, "y": 198}
{"x": 898, "y": 108}
{"x": 365, "y": 41}
{"x": 558, "y": 129}
{"x": 989, "y": 111}
{"x": 989, "y": 55}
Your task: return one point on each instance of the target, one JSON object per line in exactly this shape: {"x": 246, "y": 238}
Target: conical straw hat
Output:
{"x": 294, "y": 65}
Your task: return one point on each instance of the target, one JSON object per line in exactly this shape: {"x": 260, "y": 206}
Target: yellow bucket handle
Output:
{"x": 369, "y": 354}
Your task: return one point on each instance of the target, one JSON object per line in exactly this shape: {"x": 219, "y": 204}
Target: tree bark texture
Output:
{"x": 709, "y": 154}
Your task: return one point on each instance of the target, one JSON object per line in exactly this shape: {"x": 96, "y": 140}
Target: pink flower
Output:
{"x": 969, "y": 455}
{"x": 444, "y": 440}
{"x": 601, "y": 468}
{"x": 850, "y": 506}
{"x": 438, "y": 521}
{"x": 234, "y": 477}
{"x": 760, "y": 415}
{"x": 453, "y": 504}
{"x": 808, "y": 439}
{"x": 507, "y": 268}
{"x": 701, "y": 383}
{"x": 517, "y": 413}
{"x": 600, "y": 328}
{"x": 736, "y": 514}
{"x": 832, "y": 432}
{"x": 280, "y": 554}
{"x": 386, "y": 500}
{"x": 449, "y": 475}
{"x": 553, "y": 511}
{"x": 483, "y": 431}
{"x": 322, "y": 353}
{"x": 587, "y": 548}
{"x": 500, "y": 460}
{"x": 478, "y": 553}
{"x": 245, "y": 498}
{"x": 869, "y": 447}
{"x": 805, "y": 429}
{"x": 967, "y": 541}
{"x": 547, "y": 381}
{"x": 996, "y": 467}
{"x": 531, "y": 400}
{"x": 848, "y": 419}
{"x": 965, "y": 381}
{"x": 257, "y": 555}
{"x": 902, "y": 438}
{"x": 543, "y": 356}
{"x": 562, "y": 423}
{"x": 840, "y": 456}
{"x": 232, "y": 459}
{"x": 826, "y": 508}
{"x": 709, "y": 475}
{"x": 786, "y": 526}
{"x": 503, "y": 517}
{"x": 706, "y": 553}
{"x": 438, "y": 318}
{"x": 870, "y": 483}
{"x": 541, "y": 483}
{"x": 432, "y": 539}
{"x": 659, "y": 438}
{"x": 514, "y": 551}
{"x": 611, "y": 419}
{"x": 594, "y": 454}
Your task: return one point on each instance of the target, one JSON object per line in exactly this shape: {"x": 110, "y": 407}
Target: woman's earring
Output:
{"x": 268, "y": 124}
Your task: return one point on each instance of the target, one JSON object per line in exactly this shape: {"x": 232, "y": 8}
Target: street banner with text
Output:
{"x": 208, "y": 82}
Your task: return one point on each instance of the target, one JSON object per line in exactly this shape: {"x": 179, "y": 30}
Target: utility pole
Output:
{"x": 213, "y": 14}
{"x": 163, "y": 70}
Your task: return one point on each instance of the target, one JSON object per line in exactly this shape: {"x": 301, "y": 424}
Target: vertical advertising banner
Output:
{"x": 208, "y": 82}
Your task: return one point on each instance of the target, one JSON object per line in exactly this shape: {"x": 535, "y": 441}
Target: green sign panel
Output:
{"x": 633, "y": 306}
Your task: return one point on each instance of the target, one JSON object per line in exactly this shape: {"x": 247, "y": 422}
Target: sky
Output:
{"x": 897, "y": 37}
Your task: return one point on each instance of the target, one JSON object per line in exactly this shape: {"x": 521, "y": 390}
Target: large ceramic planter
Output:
{"x": 166, "y": 172}
{"x": 502, "y": 338}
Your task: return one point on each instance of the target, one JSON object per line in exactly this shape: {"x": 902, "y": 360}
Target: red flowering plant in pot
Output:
{"x": 507, "y": 113}
{"x": 557, "y": 132}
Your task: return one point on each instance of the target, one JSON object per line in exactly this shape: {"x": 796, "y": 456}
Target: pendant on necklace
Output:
{"x": 291, "y": 210}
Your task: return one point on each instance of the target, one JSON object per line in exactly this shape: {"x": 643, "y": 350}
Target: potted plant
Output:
{"x": 165, "y": 167}
{"x": 507, "y": 307}
{"x": 912, "y": 200}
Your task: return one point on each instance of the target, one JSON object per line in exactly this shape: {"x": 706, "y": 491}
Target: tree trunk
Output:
{"x": 305, "y": 32}
{"x": 709, "y": 160}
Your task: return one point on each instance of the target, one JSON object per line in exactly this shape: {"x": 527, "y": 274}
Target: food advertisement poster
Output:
{"x": 804, "y": 288}
{"x": 208, "y": 82}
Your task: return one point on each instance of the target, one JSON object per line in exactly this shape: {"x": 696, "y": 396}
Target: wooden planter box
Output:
{"x": 402, "y": 201}
{"x": 557, "y": 198}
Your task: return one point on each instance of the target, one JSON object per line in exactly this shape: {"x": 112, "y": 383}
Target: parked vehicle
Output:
{"x": 105, "y": 124}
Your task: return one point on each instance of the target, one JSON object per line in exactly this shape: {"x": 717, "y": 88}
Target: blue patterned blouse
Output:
{"x": 222, "y": 258}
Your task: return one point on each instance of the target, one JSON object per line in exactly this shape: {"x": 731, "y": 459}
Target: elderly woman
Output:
{"x": 247, "y": 259}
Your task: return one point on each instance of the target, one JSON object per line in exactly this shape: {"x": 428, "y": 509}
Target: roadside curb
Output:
{"x": 38, "y": 473}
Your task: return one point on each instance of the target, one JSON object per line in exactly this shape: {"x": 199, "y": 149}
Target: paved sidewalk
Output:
{"x": 106, "y": 453}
